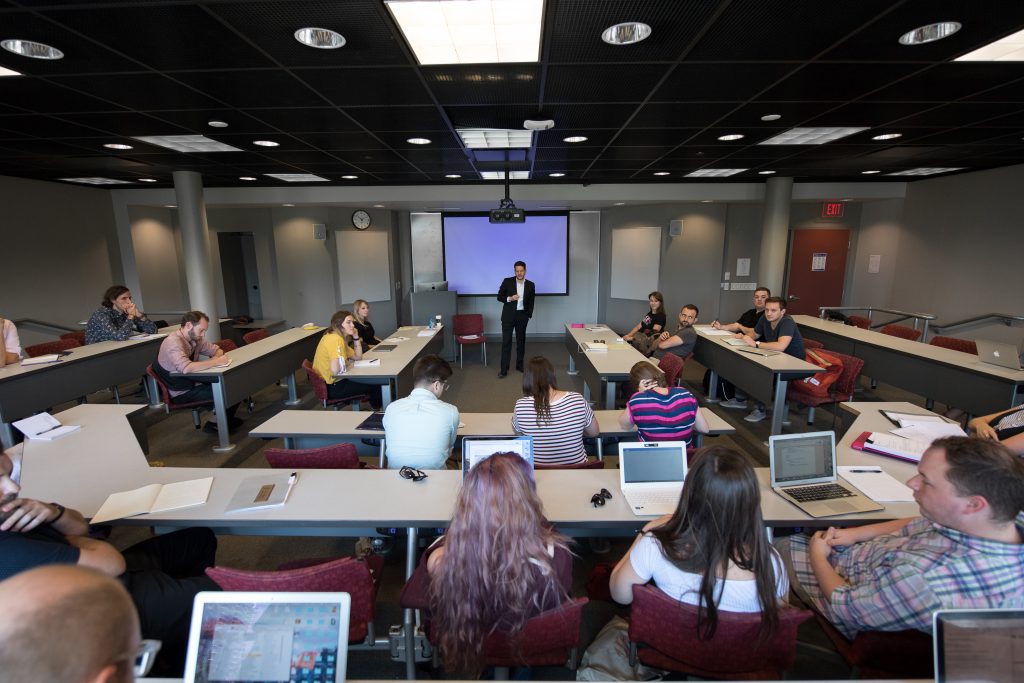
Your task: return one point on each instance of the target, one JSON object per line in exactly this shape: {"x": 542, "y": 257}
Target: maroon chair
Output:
{"x": 841, "y": 390}
{"x": 859, "y": 321}
{"x": 320, "y": 390}
{"x": 551, "y": 638}
{"x": 965, "y": 345}
{"x": 901, "y": 331}
{"x": 165, "y": 395}
{"x": 226, "y": 345}
{"x": 255, "y": 336}
{"x": 812, "y": 344}
{"x": 357, "y": 577}
{"x": 883, "y": 654}
{"x": 55, "y": 346}
{"x": 469, "y": 329}
{"x": 77, "y": 334}
{"x": 663, "y": 633}
{"x": 339, "y": 456}
{"x": 672, "y": 366}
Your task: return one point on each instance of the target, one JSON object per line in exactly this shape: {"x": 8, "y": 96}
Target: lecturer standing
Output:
{"x": 517, "y": 294}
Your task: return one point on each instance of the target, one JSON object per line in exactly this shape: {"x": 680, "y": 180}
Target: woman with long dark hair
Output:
{"x": 660, "y": 412}
{"x": 644, "y": 336}
{"x": 712, "y": 551}
{"x": 117, "y": 318}
{"x": 334, "y": 358}
{"x": 500, "y": 563}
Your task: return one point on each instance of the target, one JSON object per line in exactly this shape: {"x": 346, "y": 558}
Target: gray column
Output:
{"x": 771, "y": 268}
{"x": 195, "y": 242}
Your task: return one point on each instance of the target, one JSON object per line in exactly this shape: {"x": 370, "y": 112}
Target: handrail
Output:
{"x": 1006, "y": 318}
{"x": 926, "y": 317}
{"x": 43, "y": 323}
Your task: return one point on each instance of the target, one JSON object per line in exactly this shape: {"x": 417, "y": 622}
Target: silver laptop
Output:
{"x": 239, "y": 637}
{"x": 999, "y": 353}
{"x": 476, "y": 449}
{"x": 803, "y": 471}
{"x": 973, "y": 645}
{"x": 651, "y": 475}
{"x": 764, "y": 353}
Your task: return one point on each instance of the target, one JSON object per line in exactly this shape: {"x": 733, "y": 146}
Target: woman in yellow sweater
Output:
{"x": 334, "y": 357}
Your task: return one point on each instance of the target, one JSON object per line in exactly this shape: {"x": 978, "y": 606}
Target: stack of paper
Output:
{"x": 367, "y": 363}
{"x": 154, "y": 498}
{"x": 39, "y": 360}
{"x": 876, "y": 484}
{"x": 893, "y": 446}
{"x": 44, "y": 427}
{"x": 595, "y": 346}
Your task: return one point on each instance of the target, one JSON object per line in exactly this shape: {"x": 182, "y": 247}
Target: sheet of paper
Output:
{"x": 367, "y": 363}
{"x": 929, "y": 431}
{"x": 224, "y": 363}
{"x": 735, "y": 342}
{"x": 127, "y": 503}
{"x": 39, "y": 360}
{"x": 395, "y": 340}
{"x": 426, "y": 333}
{"x": 155, "y": 335}
{"x": 44, "y": 427}
{"x": 898, "y": 445}
{"x": 182, "y": 494}
{"x": 55, "y": 433}
{"x": 876, "y": 484}
{"x": 711, "y": 332}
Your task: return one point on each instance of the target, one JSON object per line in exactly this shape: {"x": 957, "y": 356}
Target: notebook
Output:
{"x": 476, "y": 449}
{"x": 764, "y": 353}
{"x": 998, "y": 353}
{"x": 651, "y": 475}
{"x": 803, "y": 471}
{"x": 978, "y": 645}
{"x": 238, "y": 637}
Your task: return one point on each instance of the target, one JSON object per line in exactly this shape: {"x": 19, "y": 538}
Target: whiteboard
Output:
{"x": 636, "y": 260}
{"x": 364, "y": 266}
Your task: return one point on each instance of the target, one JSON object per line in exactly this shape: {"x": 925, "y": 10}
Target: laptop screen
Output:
{"x": 802, "y": 457}
{"x": 268, "y": 637}
{"x": 478, "y": 449}
{"x": 652, "y": 462}
{"x": 979, "y": 645}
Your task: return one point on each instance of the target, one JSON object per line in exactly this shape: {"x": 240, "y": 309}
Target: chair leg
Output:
{"x": 117, "y": 394}
{"x": 483, "y": 352}
{"x": 460, "y": 355}
{"x": 195, "y": 417}
{"x": 929, "y": 403}
{"x": 501, "y": 673}
{"x": 810, "y": 415}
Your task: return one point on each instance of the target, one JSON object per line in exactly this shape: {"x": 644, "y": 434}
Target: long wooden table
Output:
{"x": 952, "y": 377}
{"x": 602, "y": 371}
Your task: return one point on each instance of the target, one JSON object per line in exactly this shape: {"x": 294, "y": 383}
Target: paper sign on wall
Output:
{"x": 818, "y": 262}
{"x": 874, "y": 263}
{"x": 742, "y": 267}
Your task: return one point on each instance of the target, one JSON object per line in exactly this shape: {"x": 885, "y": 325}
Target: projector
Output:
{"x": 507, "y": 214}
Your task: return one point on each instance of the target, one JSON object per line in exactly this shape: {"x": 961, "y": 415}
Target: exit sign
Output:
{"x": 832, "y": 209}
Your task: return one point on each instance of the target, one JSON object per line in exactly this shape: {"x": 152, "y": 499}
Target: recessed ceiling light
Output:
{"x": 378, "y": 206}
{"x": 706, "y": 201}
{"x": 495, "y": 138}
{"x": 771, "y": 117}
{"x": 926, "y": 171}
{"x": 626, "y": 33}
{"x": 187, "y": 143}
{"x": 930, "y": 33}
{"x": 845, "y": 200}
{"x": 810, "y": 136}
{"x": 418, "y": 141}
{"x": 350, "y": 177}
{"x": 217, "y": 124}
{"x": 287, "y": 205}
{"x": 714, "y": 172}
{"x": 320, "y": 38}
{"x": 30, "y": 48}
{"x": 887, "y": 136}
{"x": 147, "y": 180}
{"x": 730, "y": 136}
{"x": 765, "y": 172}
{"x": 1008, "y": 49}
{"x": 170, "y": 206}
{"x": 266, "y": 143}
{"x": 297, "y": 177}
{"x": 453, "y": 175}
{"x": 96, "y": 181}
{"x": 869, "y": 172}
{"x": 660, "y": 173}
{"x": 246, "y": 177}
{"x": 117, "y": 145}
{"x": 479, "y": 32}
{"x": 619, "y": 204}
{"x": 575, "y": 138}
{"x": 556, "y": 175}
{"x": 4, "y": 71}
{"x": 500, "y": 175}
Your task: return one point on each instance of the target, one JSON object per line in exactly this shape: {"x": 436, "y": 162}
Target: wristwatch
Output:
{"x": 60, "y": 511}
{"x": 757, "y": 344}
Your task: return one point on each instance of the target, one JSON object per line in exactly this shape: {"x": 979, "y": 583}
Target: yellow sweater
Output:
{"x": 332, "y": 345}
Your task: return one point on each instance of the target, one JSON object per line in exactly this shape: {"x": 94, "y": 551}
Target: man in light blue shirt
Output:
{"x": 420, "y": 429}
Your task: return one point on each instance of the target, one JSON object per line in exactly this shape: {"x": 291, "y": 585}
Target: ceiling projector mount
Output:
{"x": 507, "y": 211}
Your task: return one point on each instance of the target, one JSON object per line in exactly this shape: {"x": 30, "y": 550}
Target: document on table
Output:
{"x": 44, "y": 427}
{"x": 910, "y": 419}
{"x": 396, "y": 340}
{"x": 155, "y": 335}
{"x": 367, "y": 363}
{"x": 712, "y": 332}
{"x": 224, "y": 363}
{"x": 154, "y": 498}
{"x": 260, "y": 493}
{"x": 929, "y": 431}
{"x": 735, "y": 342}
{"x": 39, "y": 360}
{"x": 896, "y": 446}
{"x": 876, "y": 484}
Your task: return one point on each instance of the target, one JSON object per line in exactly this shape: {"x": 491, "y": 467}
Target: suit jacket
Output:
{"x": 507, "y": 289}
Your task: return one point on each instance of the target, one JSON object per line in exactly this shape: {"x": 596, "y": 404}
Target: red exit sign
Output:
{"x": 832, "y": 209}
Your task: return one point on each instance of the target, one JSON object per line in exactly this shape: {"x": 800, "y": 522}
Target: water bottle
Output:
{"x": 430, "y": 323}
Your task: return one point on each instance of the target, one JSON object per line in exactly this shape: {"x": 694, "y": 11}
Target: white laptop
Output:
{"x": 973, "y": 645}
{"x": 476, "y": 449}
{"x": 275, "y": 637}
{"x": 999, "y": 353}
{"x": 651, "y": 475}
{"x": 803, "y": 471}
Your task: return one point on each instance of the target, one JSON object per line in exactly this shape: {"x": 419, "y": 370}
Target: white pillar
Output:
{"x": 771, "y": 268}
{"x": 195, "y": 242}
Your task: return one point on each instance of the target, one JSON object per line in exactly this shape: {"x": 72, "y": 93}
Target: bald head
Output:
{"x": 67, "y": 624}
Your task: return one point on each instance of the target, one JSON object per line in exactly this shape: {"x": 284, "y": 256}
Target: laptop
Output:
{"x": 764, "y": 353}
{"x": 978, "y": 645}
{"x": 803, "y": 471}
{"x": 238, "y": 637}
{"x": 651, "y": 475}
{"x": 998, "y": 353}
{"x": 476, "y": 449}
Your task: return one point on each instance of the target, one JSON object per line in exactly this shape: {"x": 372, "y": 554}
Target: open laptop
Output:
{"x": 282, "y": 637}
{"x": 978, "y": 645}
{"x": 999, "y": 353}
{"x": 651, "y": 475}
{"x": 476, "y": 449}
{"x": 803, "y": 471}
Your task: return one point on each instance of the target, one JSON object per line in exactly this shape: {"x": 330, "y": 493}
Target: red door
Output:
{"x": 817, "y": 268}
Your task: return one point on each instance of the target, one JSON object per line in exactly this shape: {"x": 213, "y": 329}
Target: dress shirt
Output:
{"x": 177, "y": 351}
{"x": 11, "y": 342}
{"x": 520, "y": 290}
{"x": 420, "y": 430}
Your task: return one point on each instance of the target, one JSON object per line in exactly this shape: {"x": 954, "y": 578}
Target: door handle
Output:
{"x": 793, "y": 297}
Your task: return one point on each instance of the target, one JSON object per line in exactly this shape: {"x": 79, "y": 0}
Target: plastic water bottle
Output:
{"x": 430, "y": 323}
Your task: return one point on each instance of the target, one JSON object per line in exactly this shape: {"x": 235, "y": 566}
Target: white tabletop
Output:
{"x": 617, "y": 360}
{"x": 77, "y": 354}
{"x": 249, "y": 352}
{"x": 780, "y": 363}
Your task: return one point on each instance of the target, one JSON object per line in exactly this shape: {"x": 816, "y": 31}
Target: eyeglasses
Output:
{"x": 444, "y": 384}
{"x": 412, "y": 473}
{"x": 599, "y": 498}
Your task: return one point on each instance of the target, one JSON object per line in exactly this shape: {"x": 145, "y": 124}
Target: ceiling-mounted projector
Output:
{"x": 507, "y": 213}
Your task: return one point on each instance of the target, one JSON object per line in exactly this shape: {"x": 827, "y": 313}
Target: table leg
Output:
{"x": 224, "y": 441}
{"x": 712, "y": 396}
{"x": 779, "y": 407}
{"x": 289, "y": 442}
{"x": 6, "y": 434}
{"x": 385, "y": 395}
{"x": 409, "y": 617}
{"x": 586, "y": 391}
{"x": 609, "y": 397}
{"x": 572, "y": 366}
{"x": 154, "y": 393}
{"x": 293, "y": 394}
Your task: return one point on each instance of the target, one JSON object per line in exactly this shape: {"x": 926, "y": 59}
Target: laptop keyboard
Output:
{"x": 652, "y": 499}
{"x": 809, "y": 494}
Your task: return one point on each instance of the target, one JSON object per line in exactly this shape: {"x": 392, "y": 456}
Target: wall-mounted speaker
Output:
{"x": 319, "y": 231}
{"x": 675, "y": 228}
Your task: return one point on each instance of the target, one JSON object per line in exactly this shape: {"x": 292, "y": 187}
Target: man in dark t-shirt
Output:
{"x": 775, "y": 331}
{"x": 682, "y": 341}
{"x": 747, "y": 321}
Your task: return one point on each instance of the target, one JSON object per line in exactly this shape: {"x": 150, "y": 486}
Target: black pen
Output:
{"x": 865, "y": 471}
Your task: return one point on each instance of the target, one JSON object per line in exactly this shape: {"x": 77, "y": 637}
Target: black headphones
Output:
{"x": 599, "y": 498}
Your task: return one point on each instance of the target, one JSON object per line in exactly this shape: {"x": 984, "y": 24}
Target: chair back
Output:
{"x": 255, "y": 336}
{"x": 548, "y": 639}
{"x": 339, "y": 456}
{"x": 901, "y": 331}
{"x": 847, "y": 383}
{"x": 55, "y": 346}
{"x": 315, "y": 381}
{"x": 965, "y": 345}
{"x": 467, "y": 323}
{"x": 812, "y": 344}
{"x": 165, "y": 395}
{"x": 348, "y": 574}
{"x": 669, "y": 630}
{"x": 226, "y": 345}
{"x": 672, "y": 366}
{"x": 588, "y": 465}
{"x": 859, "y": 321}
{"x": 77, "y": 334}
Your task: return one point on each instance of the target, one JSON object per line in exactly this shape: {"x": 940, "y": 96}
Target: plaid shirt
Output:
{"x": 897, "y": 581}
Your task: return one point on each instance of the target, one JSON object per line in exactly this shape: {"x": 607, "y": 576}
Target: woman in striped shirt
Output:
{"x": 557, "y": 420}
{"x": 660, "y": 412}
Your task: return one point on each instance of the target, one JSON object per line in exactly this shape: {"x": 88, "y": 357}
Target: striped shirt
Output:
{"x": 557, "y": 440}
{"x": 667, "y": 417}
{"x": 897, "y": 581}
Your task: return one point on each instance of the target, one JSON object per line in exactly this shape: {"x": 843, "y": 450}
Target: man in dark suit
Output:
{"x": 517, "y": 294}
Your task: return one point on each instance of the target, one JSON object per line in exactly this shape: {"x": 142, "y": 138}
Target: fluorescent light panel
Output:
{"x": 187, "y": 143}
{"x": 477, "y": 32}
{"x": 495, "y": 138}
{"x": 297, "y": 177}
{"x": 96, "y": 181}
{"x": 1008, "y": 49}
{"x": 810, "y": 136}
{"x": 500, "y": 175}
{"x": 925, "y": 171}
{"x": 4, "y": 71}
{"x": 714, "y": 172}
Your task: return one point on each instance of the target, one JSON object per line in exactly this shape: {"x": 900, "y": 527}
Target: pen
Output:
{"x": 865, "y": 471}
{"x": 291, "y": 483}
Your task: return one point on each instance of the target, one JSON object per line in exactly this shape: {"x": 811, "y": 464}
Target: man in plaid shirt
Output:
{"x": 966, "y": 551}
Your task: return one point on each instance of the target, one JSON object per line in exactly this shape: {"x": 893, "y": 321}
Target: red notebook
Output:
{"x": 864, "y": 443}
